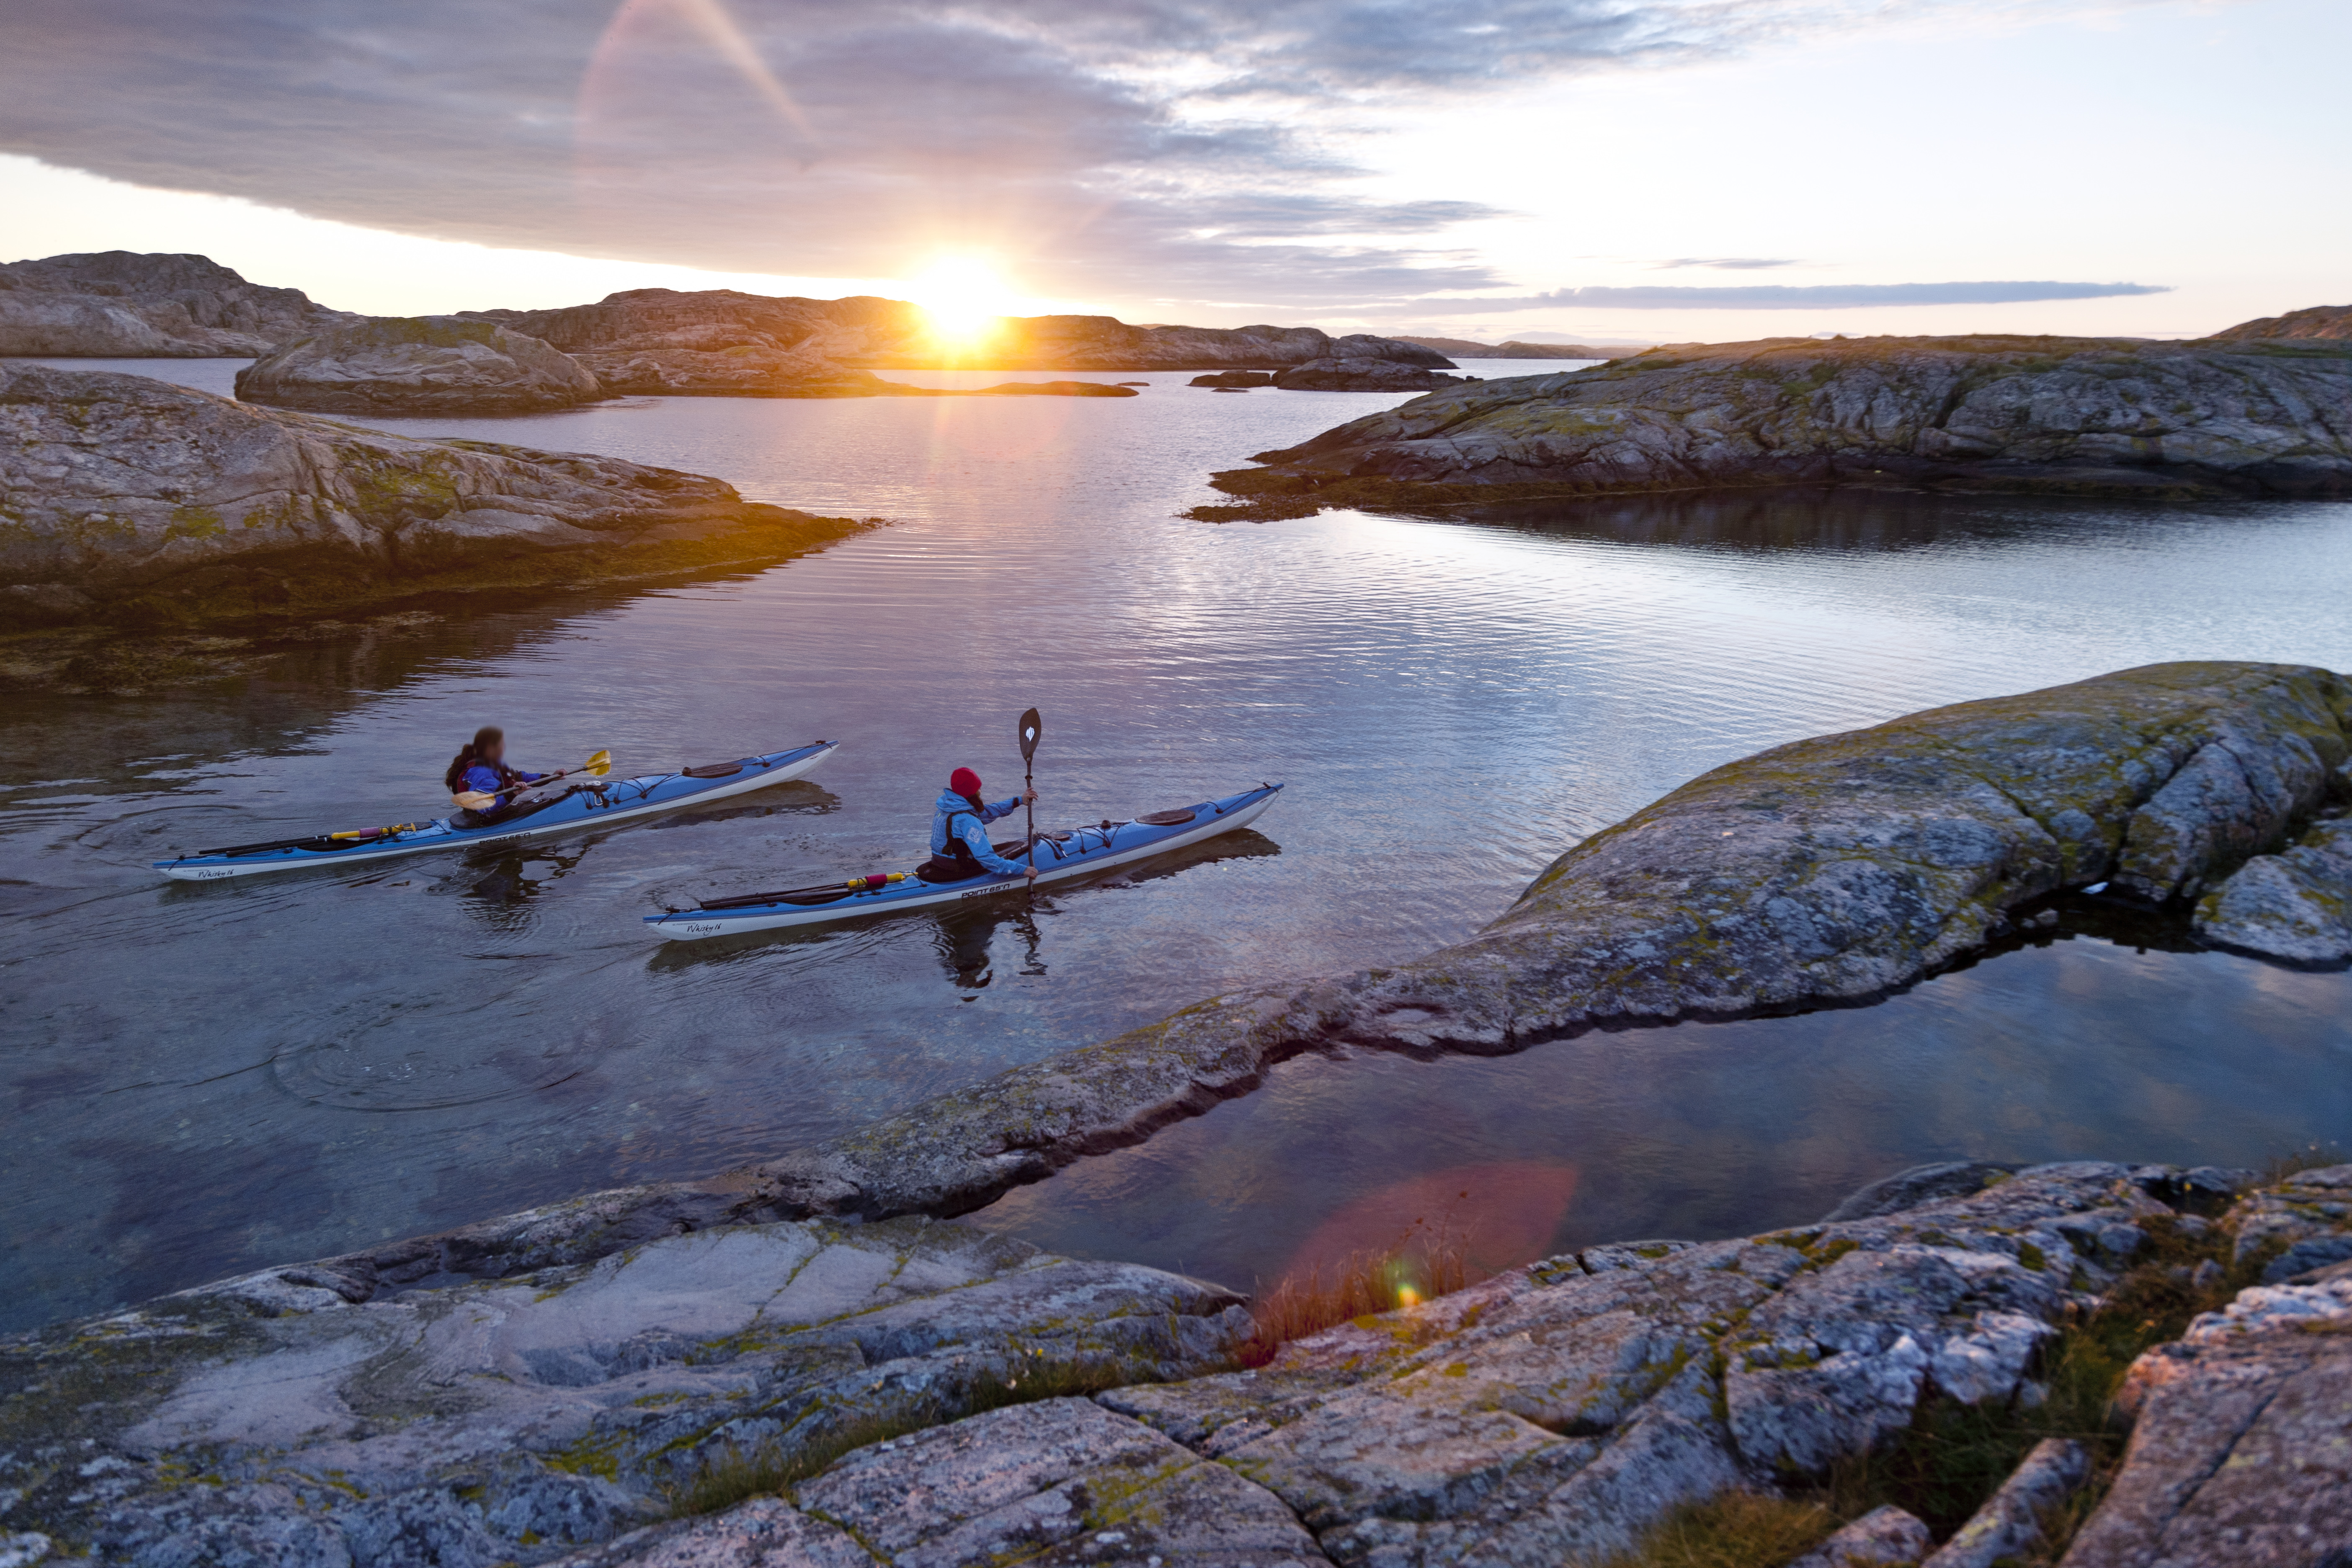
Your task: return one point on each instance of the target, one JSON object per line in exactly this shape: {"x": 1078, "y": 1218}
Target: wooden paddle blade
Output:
{"x": 1032, "y": 726}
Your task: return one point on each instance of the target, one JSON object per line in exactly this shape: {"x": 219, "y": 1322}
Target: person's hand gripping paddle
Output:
{"x": 595, "y": 767}
{"x": 1032, "y": 726}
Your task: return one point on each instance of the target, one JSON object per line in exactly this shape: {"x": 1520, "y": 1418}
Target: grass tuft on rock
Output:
{"x": 1737, "y": 1529}
{"x": 1953, "y": 1457}
{"x": 2313, "y": 1156}
{"x": 1425, "y": 1261}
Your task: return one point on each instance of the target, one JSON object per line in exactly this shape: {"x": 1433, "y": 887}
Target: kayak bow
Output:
{"x": 1061, "y": 856}
{"x": 588, "y": 806}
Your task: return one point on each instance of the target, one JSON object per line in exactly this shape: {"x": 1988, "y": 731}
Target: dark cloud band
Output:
{"x": 1135, "y": 149}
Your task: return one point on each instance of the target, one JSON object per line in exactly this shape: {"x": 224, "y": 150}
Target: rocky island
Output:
{"x": 418, "y": 365}
{"x": 490, "y": 363}
{"x": 1465, "y": 348}
{"x": 722, "y": 342}
{"x": 2227, "y": 416}
{"x": 2320, "y": 323}
{"x": 136, "y": 503}
{"x": 120, "y": 304}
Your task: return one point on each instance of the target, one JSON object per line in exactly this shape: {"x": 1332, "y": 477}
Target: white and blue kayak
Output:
{"x": 1061, "y": 856}
{"x": 585, "y": 806}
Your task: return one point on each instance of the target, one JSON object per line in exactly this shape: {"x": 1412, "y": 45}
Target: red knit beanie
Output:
{"x": 963, "y": 781}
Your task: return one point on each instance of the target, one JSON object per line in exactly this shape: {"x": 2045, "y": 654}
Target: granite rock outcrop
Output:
{"x": 134, "y": 501}
{"x": 1358, "y": 373}
{"x": 121, "y": 304}
{"x": 722, "y": 342}
{"x": 2319, "y": 322}
{"x": 2294, "y": 905}
{"x": 418, "y": 365}
{"x": 1886, "y": 1537}
{"x": 270, "y": 1420}
{"x": 2074, "y": 416}
{"x": 2241, "y": 1450}
{"x": 917, "y": 1392}
{"x": 726, "y": 343}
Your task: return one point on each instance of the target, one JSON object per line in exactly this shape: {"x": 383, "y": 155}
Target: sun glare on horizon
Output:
{"x": 963, "y": 295}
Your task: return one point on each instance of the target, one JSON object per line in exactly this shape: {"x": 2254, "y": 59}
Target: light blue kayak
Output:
{"x": 1063, "y": 855}
{"x": 589, "y": 805}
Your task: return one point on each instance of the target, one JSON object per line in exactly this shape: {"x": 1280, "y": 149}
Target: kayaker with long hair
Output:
{"x": 481, "y": 786}
{"x": 959, "y": 845}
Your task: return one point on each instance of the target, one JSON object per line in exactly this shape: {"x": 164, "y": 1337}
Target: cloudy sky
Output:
{"x": 1627, "y": 170}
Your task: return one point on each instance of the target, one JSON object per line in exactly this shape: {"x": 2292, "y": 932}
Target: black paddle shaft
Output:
{"x": 1032, "y": 727}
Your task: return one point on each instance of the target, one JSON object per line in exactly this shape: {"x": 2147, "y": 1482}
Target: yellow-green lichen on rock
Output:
{"x": 133, "y": 502}
{"x": 2068, "y": 415}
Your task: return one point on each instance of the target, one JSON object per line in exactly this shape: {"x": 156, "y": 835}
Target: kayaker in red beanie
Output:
{"x": 959, "y": 845}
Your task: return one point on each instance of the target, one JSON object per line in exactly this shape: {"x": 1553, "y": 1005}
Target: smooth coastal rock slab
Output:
{"x": 2242, "y": 1446}
{"x": 134, "y": 500}
{"x": 1553, "y": 1414}
{"x": 1550, "y": 1415}
{"x": 120, "y": 303}
{"x": 1882, "y": 1538}
{"x": 475, "y": 1425}
{"x": 1064, "y": 1481}
{"x": 2294, "y": 905}
{"x": 1060, "y": 1482}
{"x": 418, "y": 365}
{"x": 2074, "y": 416}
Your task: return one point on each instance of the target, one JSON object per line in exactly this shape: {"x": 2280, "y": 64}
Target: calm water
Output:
{"x": 207, "y": 1078}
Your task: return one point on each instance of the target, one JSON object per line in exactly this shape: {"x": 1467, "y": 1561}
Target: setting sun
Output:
{"x": 963, "y": 295}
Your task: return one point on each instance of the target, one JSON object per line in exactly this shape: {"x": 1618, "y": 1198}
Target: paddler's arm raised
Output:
{"x": 1007, "y": 806}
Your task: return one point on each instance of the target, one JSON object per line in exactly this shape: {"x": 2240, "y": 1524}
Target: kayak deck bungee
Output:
{"x": 1071, "y": 852}
{"x": 587, "y": 807}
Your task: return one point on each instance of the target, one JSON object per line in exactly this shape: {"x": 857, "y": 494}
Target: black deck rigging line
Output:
{"x": 319, "y": 841}
{"x": 789, "y": 896}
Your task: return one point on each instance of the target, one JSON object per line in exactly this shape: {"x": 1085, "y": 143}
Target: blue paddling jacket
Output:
{"x": 952, "y": 815}
{"x": 484, "y": 779}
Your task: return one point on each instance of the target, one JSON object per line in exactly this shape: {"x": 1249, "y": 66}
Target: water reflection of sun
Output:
{"x": 963, "y": 296}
